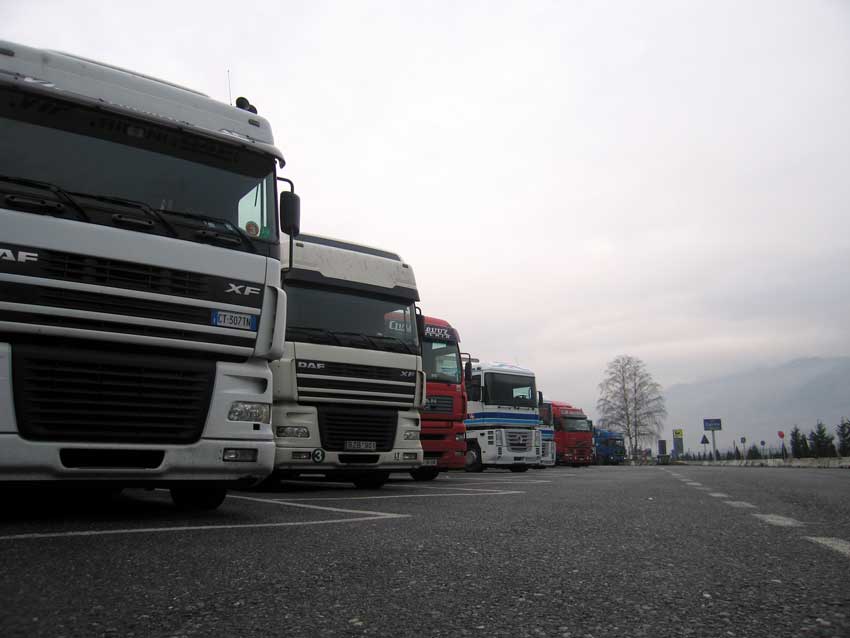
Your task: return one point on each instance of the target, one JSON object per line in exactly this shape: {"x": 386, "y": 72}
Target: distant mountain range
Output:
{"x": 758, "y": 403}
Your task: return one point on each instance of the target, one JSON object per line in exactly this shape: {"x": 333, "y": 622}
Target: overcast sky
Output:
{"x": 569, "y": 180}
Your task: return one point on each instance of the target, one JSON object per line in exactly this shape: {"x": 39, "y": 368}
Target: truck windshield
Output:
{"x": 350, "y": 319}
{"x": 441, "y": 361}
{"x": 98, "y": 153}
{"x": 510, "y": 389}
{"x": 576, "y": 425}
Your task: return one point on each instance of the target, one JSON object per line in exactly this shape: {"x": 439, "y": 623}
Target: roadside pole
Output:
{"x": 713, "y": 448}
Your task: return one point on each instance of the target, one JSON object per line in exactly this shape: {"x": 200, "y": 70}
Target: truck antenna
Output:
{"x": 229, "y": 93}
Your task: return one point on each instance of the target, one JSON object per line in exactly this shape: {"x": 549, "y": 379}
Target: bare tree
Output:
{"x": 631, "y": 401}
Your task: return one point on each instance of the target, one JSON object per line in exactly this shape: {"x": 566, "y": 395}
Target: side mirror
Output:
{"x": 467, "y": 373}
{"x": 290, "y": 213}
{"x": 539, "y": 399}
{"x": 420, "y": 327}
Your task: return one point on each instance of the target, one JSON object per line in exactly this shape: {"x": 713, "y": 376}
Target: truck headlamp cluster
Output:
{"x": 411, "y": 435}
{"x": 460, "y": 436}
{"x": 499, "y": 438}
{"x": 254, "y": 412}
{"x": 294, "y": 431}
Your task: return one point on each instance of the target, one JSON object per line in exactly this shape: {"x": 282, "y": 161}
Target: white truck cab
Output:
{"x": 140, "y": 298}
{"x": 349, "y": 387}
{"x": 502, "y": 425}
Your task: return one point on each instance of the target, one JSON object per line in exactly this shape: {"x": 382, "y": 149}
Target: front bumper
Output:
{"x": 24, "y": 460}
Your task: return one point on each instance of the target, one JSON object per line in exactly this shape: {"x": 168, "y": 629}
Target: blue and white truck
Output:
{"x": 502, "y": 427}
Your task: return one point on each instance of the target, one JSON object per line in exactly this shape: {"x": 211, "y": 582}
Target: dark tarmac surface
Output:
{"x": 600, "y": 551}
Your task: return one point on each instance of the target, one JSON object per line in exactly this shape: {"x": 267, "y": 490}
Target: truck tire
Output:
{"x": 519, "y": 468}
{"x": 206, "y": 498}
{"x": 371, "y": 481}
{"x": 424, "y": 473}
{"x": 473, "y": 460}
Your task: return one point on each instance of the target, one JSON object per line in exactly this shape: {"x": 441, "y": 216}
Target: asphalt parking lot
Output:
{"x": 599, "y": 551}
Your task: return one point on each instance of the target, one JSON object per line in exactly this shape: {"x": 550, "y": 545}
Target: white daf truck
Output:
{"x": 350, "y": 385}
{"x": 140, "y": 298}
{"x": 502, "y": 425}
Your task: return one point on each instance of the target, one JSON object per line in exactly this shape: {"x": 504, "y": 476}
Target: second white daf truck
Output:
{"x": 349, "y": 388}
{"x": 502, "y": 428}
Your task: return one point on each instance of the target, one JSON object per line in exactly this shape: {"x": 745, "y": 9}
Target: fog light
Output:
{"x": 300, "y": 456}
{"x": 411, "y": 435}
{"x": 296, "y": 431}
{"x": 410, "y": 456}
{"x": 244, "y": 411}
{"x": 239, "y": 454}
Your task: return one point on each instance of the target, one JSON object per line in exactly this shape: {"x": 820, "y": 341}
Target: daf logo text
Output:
{"x": 17, "y": 255}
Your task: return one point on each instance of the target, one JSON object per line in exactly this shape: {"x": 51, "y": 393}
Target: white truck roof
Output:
{"x": 337, "y": 262}
{"x": 507, "y": 368}
{"x": 132, "y": 93}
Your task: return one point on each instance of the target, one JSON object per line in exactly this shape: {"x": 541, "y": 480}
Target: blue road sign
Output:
{"x": 710, "y": 425}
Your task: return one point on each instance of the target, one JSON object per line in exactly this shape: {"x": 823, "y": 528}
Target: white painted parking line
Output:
{"x": 839, "y": 545}
{"x": 693, "y": 483}
{"x": 719, "y": 495}
{"x": 779, "y": 521}
{"x": 371, "y": 516}
{"x": 740, "y": 504}
{"x": 288, "y": 502}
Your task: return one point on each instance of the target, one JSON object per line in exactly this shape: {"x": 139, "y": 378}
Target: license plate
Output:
{"x": 237, "y": 320}
{"x": 360, "y": 446}
{"x": 429, "y": 461}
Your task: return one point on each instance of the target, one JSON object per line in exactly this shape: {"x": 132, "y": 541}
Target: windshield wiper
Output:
{"x": 321, "y": 331}
{"x": 232, "y": 230}
{"x": 132, "y": 203}
{"x": 365, "y": 337}
{"x": 397, "y": 340}
{"x": 60, "y": 192}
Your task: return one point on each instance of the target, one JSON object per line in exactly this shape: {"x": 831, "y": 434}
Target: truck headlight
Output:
{"x": 499, "y": 437}
{"x": 411, "y": 435}
{"x": 245, "y": 411}
{"x": 460, "y": 436}
{"x": 295, "y": 431}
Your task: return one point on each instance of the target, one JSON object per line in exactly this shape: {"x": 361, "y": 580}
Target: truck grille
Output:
{"x": 340, "y": 424}
{"x": 519, "y": 441}
{"x": 96, "y": 396}
{"x": 361, "y": 384}
{"x": 441, "y": 404}
{"x": 122, "y": 274}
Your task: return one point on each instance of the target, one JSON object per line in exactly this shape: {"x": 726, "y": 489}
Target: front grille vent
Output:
{"x": 97, "y": 396}
{"x": 440, "y": 404}
{"x": 340, "y": 424}
{"x": 519, "y": 441}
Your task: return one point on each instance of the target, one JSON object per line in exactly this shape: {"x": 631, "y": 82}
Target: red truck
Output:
{"x": 573, "y": 435}
{"x": 443, "y": 433}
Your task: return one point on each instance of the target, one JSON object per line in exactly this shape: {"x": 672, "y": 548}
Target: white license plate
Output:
{"x": 360, "y": 446}
{"x": 429, "y": 461}
{"x": 238, "y": 320}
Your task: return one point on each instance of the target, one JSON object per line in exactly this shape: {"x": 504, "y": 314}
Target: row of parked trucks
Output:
{"x": 164, "y": 323}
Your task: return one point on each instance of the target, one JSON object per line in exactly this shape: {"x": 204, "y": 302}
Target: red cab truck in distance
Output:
{"x": 573, "y": 435}
{"x": 443, "y": 434}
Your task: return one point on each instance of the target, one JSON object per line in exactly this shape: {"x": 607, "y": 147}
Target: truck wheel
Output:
{"x": 371, "y": 481}
{"x": 198, "y": 498}
{"x": 424, "y": 473}
{"x": 473, "y": 460}
{"x": 519, "y": 468}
